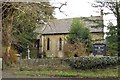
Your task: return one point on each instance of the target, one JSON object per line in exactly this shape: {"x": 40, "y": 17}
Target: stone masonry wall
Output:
{"x": 40, "y": 64}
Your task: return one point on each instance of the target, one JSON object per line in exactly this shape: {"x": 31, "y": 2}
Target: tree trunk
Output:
{"x": 8, "y": 36}
{"x": 9, "y": 32}
{"x": 118, "y": 27}
{"x": 118, "y": 32}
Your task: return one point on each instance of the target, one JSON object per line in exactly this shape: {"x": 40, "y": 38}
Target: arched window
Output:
{"x": 48, "y": 44}
{"x": 60, "y": 44}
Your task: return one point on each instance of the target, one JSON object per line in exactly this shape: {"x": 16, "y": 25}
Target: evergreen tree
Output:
{"x": 79, "y": 33}
{"x": 111, "y": 40}
{"x": 114, "y": 8}
{"x": 19, "y": 22}
{"x": 26, "y": 23}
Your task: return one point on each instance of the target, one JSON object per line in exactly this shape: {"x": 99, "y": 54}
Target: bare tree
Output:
{"x": 114, "y": 7}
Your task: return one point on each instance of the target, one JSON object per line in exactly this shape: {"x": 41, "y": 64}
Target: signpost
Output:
{"x": 99, "y": 49}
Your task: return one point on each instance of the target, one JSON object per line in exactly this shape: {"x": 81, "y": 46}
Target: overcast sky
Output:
{"x": 74, "y": 8}
{"x": 78, "y": 8}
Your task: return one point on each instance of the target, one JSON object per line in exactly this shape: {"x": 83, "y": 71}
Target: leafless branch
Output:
{"x": 59, "y": 8}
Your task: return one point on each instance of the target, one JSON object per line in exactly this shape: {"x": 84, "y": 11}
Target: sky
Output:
{"x": 80, "y": 8}
{"x": 74, "y": 8}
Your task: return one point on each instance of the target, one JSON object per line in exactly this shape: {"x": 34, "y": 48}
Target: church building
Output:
{"x": 53, "y": 34}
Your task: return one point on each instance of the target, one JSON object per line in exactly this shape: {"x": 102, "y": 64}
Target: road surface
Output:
{"x": 0, "y": 68}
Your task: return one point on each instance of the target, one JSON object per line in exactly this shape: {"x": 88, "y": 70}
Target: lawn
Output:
{"x": 102, "y": 73}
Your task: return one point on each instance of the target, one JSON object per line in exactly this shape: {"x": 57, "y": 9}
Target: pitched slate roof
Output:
{"x": 63, "y": 25}
{"x": 58, "y": 26}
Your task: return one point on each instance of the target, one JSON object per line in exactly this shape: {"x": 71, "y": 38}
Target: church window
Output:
{"x": 48, "y": 44}
{"x": 60, "y": 44}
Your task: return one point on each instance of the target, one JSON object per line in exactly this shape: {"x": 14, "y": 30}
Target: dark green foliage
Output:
{"x": 79, "y": 33}
{"x": 25, "y": 21}
{"x": 92, "y": 62}
{"x": 111, "y": 40}
{"x": 114, "y": 7}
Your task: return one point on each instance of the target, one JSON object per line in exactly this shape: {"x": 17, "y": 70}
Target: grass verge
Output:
{"x": 109, "y": 72}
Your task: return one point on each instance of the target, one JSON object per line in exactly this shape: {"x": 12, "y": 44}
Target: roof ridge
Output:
{"x": 73, "y": 18}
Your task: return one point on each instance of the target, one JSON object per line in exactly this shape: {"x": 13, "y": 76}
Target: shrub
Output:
{"x": 92, "y": 62}
{"x": 12, "y": 58}
{"x": 77, "y": 49}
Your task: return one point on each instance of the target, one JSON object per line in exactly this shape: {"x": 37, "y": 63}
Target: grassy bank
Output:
{"x": 109, "y": 72}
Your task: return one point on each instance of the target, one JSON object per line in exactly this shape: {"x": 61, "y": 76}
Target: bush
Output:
{"x": 92, "y": 62}
{"x": 11, "y": 59}
{"x": 77, "y": 49}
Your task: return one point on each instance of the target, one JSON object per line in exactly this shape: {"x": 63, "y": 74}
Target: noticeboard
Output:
{"x": 99, "y": 49}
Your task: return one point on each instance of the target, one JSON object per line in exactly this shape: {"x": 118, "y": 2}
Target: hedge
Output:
{"x": 92, "y": 62}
